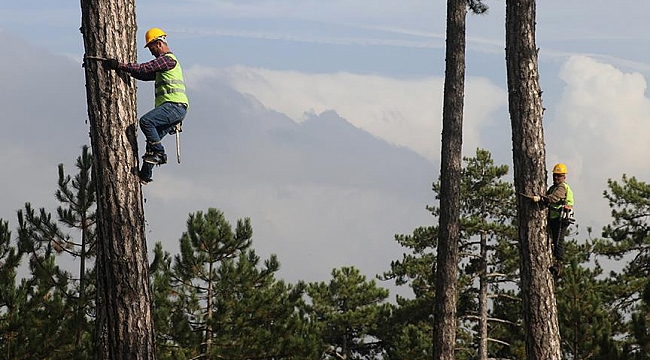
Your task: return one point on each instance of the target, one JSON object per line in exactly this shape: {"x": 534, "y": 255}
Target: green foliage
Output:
{"x": 55, "y": 305}
{"x": 488, "y": 248}
{"x": 408, "y": 333}
{"x": 222, "y": 302}
{"x": 78, "y": 210}
{"x": 348, "y": 312}
{"x": 583, "y": 316}
{"x": 507, "y": 305}
{"x": 172, "y": 325}
{"x": 11, "y": 296}
{"x": 258, "y": 310}
{"x": 416, "y": 269}
{"x": 628, "y": 238}
{"x": 218, "y": 298}
{"x": 44, "y": 322}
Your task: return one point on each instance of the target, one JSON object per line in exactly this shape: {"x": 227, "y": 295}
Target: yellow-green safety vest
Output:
{"x": 555, "y": 209}
{"x": 170, "y": 85}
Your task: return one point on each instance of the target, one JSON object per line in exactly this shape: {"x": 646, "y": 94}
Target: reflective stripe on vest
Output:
{"x": 555, "y": 209}
{"x": 170, "y": 85}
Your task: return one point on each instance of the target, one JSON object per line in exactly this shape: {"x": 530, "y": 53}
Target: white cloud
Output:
{"x": 305, "y": 9}
{"x": 405, "y": 112}
{"x": 606, "y": 110}
{"x": 432, "y": 41}
{"x": 600, "y": 129}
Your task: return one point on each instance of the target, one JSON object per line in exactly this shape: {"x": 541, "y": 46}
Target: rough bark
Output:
{"x": 444, "y": 334}
{"x": 483, "y": 301}
{"x": 525, "y": 106}
{"x": 124, "y": 321}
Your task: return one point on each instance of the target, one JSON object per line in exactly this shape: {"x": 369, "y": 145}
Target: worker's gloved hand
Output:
{"x": 536, "y": 198}
{"x": 111, "y": 64}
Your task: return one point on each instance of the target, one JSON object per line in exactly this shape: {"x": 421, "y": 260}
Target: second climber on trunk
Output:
{"x": 559, "y": 199}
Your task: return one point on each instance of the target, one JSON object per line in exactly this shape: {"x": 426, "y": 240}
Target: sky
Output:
{"x": 321, "y": 120}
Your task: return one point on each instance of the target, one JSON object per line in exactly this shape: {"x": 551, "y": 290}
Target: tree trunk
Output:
{"x": 209, "y": 311}
{"x": 124, "y": 325}
{"x": 81, "y": 305}
{"x": 483, "y": 300}
{"x": 444, "y": 327}
{"x": 525, "y": 106}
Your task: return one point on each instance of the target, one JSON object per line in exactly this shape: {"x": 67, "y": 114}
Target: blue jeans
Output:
{"x": 557, "y": 228}
{"x": 155, "y": 125}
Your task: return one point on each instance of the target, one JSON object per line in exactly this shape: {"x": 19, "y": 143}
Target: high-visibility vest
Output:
{"x": 555, "y": 209}
{"x": 170, "y": 85}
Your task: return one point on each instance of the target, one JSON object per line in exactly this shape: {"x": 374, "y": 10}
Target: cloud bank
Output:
{"x": 404, "y": 112}
{"x": 600, "y": 129}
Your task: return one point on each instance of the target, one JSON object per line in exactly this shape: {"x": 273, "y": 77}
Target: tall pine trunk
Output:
{"x": 529, "y": 155}
{"x": 444, "y": 334}
{"x": 483, "y": 300}
{"x": 124, "y": 322}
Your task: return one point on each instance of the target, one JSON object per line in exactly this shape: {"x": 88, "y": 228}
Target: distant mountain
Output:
{"x": 232, "y": 132}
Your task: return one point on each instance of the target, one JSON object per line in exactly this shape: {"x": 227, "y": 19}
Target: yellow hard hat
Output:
{"x": 153, "y": 34}
{"x": 559, "y": 169}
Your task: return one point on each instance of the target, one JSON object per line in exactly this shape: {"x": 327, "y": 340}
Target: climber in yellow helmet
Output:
{"x": 171, "y": 101}
{"x": 559, "y": 199}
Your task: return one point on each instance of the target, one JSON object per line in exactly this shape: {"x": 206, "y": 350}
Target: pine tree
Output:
{"x": 486, "y": 217}
{"x": 78, "y": 212}
{"x": 172, "y": 325}
{"x": 349, "y": 311}
{"x": 44, "y": 240}
{"x": 628, "y": 237}
{"x": 444, "y": 325}
{"x": 257, "y": 315}
{"x": 208, "y": 242}
{"x": 11, "y": 295}
{"x": 124, "y": 325}
{"x": 529, "y": 155}
{"x": 48, "y": 293}
{"x": 487, "y": 213}
{"x": 44, "y": 324}
{"x": 232, "y": 307}
{"x": 583, "y": 315}
{"x": 444, "y": 329}
{"x": 410, "y": 328}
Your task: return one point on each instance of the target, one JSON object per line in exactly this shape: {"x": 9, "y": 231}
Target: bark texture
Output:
{"x": 124, "y": 321}
{"x": 483, "y": 301}
{"x": 450, "y": 173}
{"x": 529, "y": 155}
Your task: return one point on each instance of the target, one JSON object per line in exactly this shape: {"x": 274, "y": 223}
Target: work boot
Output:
{"x": 144, "y": 180}
{"x": 155, "y": 159}
{"x": 556, "y": 270}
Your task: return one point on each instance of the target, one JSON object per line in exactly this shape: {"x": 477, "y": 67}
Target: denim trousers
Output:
{"x": 155, "y": 125}
{"x": 557, "y": 229}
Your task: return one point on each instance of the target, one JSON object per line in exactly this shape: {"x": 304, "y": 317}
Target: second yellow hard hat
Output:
{"x": 559, "y": 169}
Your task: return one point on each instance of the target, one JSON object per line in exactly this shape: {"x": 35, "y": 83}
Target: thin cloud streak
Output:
{"x": 474, "y": 44}
{"x": 271, "y": 35}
